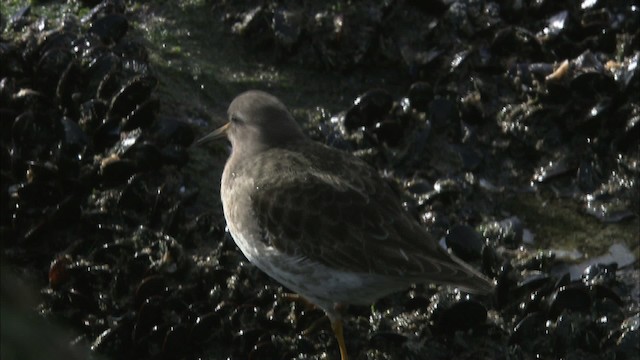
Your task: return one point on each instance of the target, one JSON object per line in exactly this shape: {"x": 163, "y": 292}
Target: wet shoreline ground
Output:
{"x": 494, "y": 123}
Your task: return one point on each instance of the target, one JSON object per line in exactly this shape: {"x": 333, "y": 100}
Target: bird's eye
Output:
{"x": 235, "y": 119}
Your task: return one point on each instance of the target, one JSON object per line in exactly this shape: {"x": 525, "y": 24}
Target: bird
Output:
{"x": 321, "y": 221}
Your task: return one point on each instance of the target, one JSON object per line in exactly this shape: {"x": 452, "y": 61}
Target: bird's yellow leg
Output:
{"x": 336, "y": 325}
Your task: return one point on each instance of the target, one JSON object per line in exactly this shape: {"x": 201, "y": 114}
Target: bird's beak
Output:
{"x": 214, "y": 135}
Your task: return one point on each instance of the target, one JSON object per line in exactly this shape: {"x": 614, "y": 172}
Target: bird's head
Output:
{"x": 257, "y": 121}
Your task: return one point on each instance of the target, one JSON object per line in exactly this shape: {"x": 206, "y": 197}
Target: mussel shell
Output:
{"x": 132, "y": 94}
{"x": 110, "y": 28}
{"x": 465, "y": 242}
{"x": 368, "y": 109}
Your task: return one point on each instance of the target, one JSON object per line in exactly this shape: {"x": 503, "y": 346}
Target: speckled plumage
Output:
{"x": 320, "y": 221}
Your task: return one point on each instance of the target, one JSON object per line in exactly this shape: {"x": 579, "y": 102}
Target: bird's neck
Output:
{"x": 259, "y": 147}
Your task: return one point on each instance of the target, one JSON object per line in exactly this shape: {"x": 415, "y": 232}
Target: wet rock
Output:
{"x": 204, "y": 327}
{"x": 610, "y": 203}
{"x": 627, "y": 343}
{"x": 115, "y": 171}
{"x": 533, "y": 323}
{"x": 385, "y": 340}
{"x": 420, "y": 93}
{"x": 154, "y": 285}
{"x": 573, "y": 298}
{"x": 443, "y": 113}
{"x": 176, "y": 341}
{"x": 450, "y": 313}
{"x": 142, "y": 116}
{"x": 149, "y": 315}
{"x": 465, "y": 242}
{"x": 518, "y": 38}
{"x": 600, "y": 273}
{"x": 508, "y": 232}
{"x": 110, "y": 28}
{"x": 389, "y": 132}
{"x": 589, "y": 176}
{"x": 170, "y": 131}
{"x": 132, "y": 94}
{"x": 287, "y": 27}
{"x": 368, "y": 109}
{"x": 554, "y": 168}
{"x": 74, "y": 137}
{"x": 573, "y": 331}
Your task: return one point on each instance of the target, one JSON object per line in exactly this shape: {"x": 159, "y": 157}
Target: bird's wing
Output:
{"x": 341, "y": 213}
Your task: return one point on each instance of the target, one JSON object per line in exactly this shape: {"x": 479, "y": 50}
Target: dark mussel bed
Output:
{"x": 103, "y": 214}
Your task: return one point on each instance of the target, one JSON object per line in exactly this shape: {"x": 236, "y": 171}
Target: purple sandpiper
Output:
{"x": 321, "y": 221}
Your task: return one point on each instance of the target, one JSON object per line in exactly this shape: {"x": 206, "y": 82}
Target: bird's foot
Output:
{"x": 299, "y": 299}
